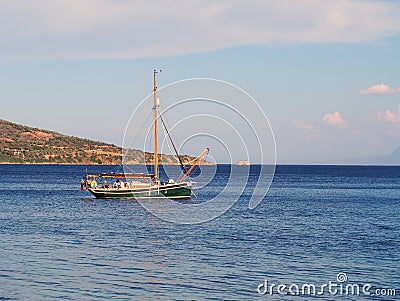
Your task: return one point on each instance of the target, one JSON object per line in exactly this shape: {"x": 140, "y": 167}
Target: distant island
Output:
{"x": 24, "y": 144}
{"x": 243, "y": 162}
{"x": 391, "y": 159}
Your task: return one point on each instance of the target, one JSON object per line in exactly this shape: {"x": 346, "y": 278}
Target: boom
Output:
{"x": 195, "y": 163}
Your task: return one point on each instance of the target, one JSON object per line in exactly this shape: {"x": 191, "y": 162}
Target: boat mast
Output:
{"x": 155, "y": 109}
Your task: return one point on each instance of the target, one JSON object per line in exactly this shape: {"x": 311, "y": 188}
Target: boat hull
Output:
{"x": 171, "y": 191}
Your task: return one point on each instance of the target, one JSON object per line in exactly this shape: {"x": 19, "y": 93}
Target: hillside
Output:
{"x": 24, "y": 144}
{"x": 391, "y": 159}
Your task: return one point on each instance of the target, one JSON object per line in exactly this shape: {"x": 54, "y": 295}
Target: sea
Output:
{"x": 319, "y": 233}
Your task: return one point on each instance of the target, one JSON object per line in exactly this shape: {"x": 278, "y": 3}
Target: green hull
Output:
{"x": 181, "y": 190}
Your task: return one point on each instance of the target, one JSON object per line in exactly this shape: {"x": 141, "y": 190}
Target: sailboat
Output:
{"x": 141, "y": 185}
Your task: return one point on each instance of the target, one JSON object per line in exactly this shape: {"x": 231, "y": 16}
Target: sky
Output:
{"x": 325, "y": 73}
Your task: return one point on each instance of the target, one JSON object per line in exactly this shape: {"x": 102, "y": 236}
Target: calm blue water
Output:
{"x": 315, "y": 222}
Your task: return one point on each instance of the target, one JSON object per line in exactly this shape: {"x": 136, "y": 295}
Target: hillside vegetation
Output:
{"x": 24, "y": 144}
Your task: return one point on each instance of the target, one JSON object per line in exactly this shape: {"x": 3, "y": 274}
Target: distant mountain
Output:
{"x": 24, "y": 144}
{"x": 391, "y": 159}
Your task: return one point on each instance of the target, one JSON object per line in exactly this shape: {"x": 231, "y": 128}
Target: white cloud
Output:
{"x": 334, "y": 119}
{"x": 390, "y": 119}
{"x": 389, "y": 116}
{"x": 379, "y": 90}
{"x": 49, "y": 29}
{"x": 306, "y": 127}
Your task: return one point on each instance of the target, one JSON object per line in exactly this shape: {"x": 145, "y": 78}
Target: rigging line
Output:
{"x": 167, "y": 126}
{"x": 119, "y": 168}
{"x": 169, "y": 147}
{"x": 136, "y": 133}
{"x": 149, "y": 167}
{"x": 166, "y": 140}
{"x": 172, "y": 142}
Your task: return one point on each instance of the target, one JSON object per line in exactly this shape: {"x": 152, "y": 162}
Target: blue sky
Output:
{"x": 327, "y": 74}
